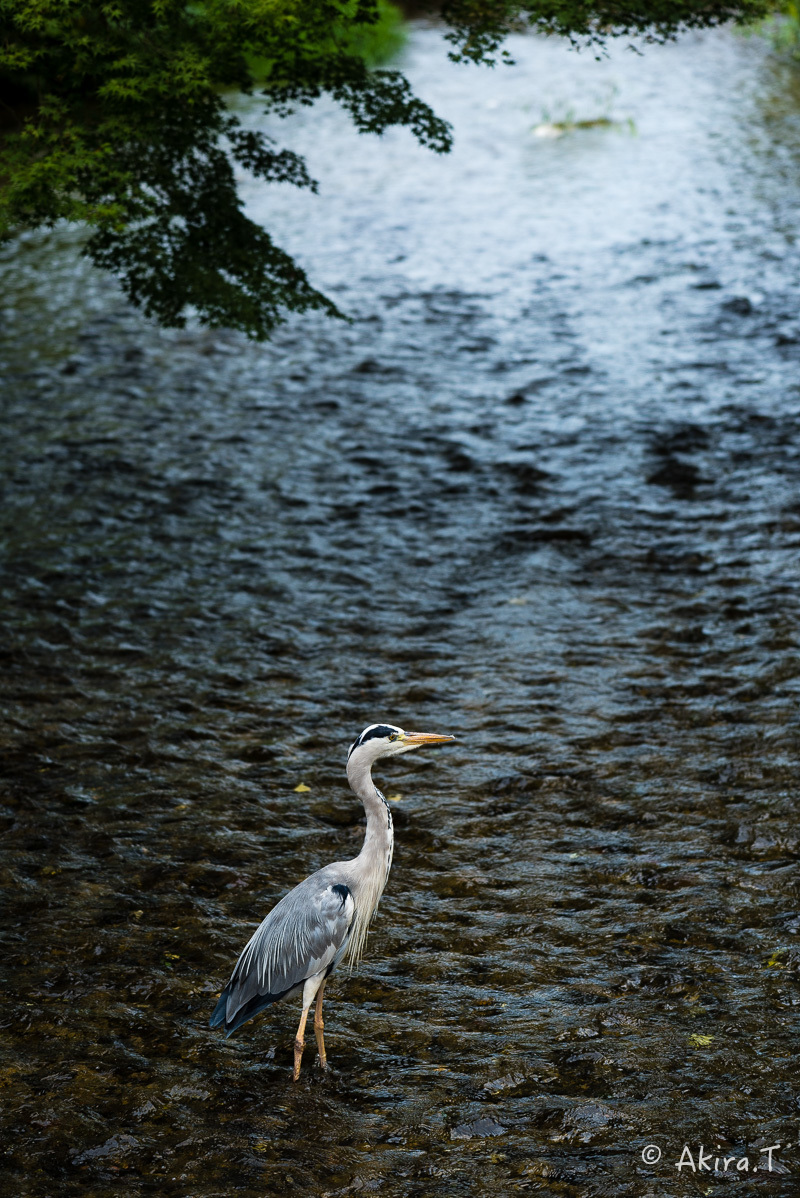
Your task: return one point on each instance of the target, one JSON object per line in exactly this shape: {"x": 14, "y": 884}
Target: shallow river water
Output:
{"x": 542, "y": 493}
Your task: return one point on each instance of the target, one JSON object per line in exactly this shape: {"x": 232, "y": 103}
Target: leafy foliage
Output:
{"x": 112, "y": 113}
{"x": 478, "y": 26}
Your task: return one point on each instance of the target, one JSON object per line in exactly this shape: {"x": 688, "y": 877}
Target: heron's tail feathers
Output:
{"x": 232, "y": 1019}
{"x": 218, "y": 1016}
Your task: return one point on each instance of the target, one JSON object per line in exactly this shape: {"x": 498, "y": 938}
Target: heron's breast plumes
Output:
{"x": 376, "y": 862}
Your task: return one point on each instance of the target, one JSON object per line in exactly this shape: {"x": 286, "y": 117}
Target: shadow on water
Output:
{"x": 542, "y": 493}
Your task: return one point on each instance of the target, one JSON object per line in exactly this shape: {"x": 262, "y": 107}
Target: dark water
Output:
{"x": 542, "y": 493}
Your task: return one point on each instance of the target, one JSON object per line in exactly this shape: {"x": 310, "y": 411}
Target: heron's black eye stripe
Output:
{"x": 380, "y": 730}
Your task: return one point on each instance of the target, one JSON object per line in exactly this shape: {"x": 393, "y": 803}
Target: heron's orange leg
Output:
{"x": 318, "y": 1027}
{"x": 299, "y": 1041}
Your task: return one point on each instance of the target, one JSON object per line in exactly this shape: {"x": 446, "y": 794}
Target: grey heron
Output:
{"x": 327, "y": 916}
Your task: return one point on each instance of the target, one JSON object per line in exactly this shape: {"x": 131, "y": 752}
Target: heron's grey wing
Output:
{"x": 302, "y": 936}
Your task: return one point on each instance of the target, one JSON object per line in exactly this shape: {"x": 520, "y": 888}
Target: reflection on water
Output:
{"x": 542, "y": 492}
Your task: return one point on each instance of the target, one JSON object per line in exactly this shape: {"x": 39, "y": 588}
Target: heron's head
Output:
{"x": 384, "y": 740}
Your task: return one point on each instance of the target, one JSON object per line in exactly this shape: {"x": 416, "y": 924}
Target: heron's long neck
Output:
{"x": 371, "y": 866}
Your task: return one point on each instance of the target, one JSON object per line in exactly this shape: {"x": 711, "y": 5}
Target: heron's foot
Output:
{"x": 298, "y": 1056}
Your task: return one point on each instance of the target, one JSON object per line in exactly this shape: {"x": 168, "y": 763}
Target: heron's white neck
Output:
{"x": 371, "y": 866}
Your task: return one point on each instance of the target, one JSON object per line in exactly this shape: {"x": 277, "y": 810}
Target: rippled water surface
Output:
{"x": 541, "y": 493}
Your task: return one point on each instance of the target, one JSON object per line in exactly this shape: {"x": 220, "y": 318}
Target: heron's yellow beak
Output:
{"x": 425, "y": 738}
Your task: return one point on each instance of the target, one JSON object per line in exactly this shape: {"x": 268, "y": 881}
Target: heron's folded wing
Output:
{"x": 300, "y": 937}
